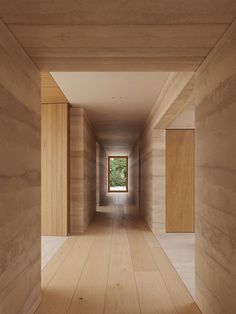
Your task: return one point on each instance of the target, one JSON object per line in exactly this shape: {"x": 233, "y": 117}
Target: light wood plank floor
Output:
{"x": 116, "y": 267}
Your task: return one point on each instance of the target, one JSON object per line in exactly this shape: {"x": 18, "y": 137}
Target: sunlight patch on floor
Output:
{"x": 179, "y": 247}
{"x": 49, "y": 247}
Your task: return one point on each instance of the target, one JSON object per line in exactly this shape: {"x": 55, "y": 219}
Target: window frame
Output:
{"x": 127, "y": 175}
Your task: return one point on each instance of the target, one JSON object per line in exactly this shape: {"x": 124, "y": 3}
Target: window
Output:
{"x": 117, "y": 174}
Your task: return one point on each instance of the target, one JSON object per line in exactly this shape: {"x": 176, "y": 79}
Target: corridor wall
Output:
{"x": 134, "y": 175}
{"x": 172, "y": 100}
{"x": 82, "y": 170}
{"x": 103, "y": 176}
{"x": 215, "y": 96}
{"x": 19, "y": 178}
{"x": 151, "y": 174}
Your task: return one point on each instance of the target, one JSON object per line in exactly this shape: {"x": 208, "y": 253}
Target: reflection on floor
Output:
{"x": 116, "y": 267}
{"x": 117, "y": 188}
{"x": 179, "y": 247}
{"x": 49, "y": 247}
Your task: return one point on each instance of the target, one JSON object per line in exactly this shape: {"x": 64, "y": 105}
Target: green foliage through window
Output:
{"x": 118, "y": 172}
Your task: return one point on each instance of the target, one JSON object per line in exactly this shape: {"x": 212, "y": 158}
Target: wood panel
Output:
{"x": 180, "y": 179}
{"x": 215, "y": 95}
{"x": 115, "y": 37}
{"x": 66, "y": 36}
{"x": 82, "y": 170}
{"x": 92, "y": 36}
{"x": 50, "y": 91}
{"x": 54, "y": 158}
{"x": 19, "y": 178}
{"x": 118, "y": 12}
{"x": 158, "y": 35}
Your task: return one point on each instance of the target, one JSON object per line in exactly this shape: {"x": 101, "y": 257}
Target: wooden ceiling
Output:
{"x": 117, "y": 35}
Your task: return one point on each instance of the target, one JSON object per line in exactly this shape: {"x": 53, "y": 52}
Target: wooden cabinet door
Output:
{"x": 180, "y": 179}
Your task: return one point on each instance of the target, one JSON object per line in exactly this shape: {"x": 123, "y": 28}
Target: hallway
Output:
{"x": 102, "y": 97}
{"x": 116, "y": 266}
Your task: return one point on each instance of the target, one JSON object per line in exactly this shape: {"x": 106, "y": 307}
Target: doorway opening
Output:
{"x": 117, "y": 173}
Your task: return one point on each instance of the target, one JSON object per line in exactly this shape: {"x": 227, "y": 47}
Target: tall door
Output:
{"x": 180, "y": 178}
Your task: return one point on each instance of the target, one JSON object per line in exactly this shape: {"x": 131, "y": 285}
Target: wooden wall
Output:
{"x": 136, "y": 35}
{"x": 174, "y": 97}
{"x": 215, "y": 95}
{"x": 97, "y": 174}
{"x": 146, "y": 182}
{"x": 103, "y": 175}
{"x": 54, "y": 158}
{"x": 180, "y": 180}
{"x": 82, "y": 170}
{"x": 159, "y": 181}
{"x": 134, "y": 177}
{"x": 19, "y": 179}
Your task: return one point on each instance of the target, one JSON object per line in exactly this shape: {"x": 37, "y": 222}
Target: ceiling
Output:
{"x": 117, "y": 103}
{"x": 118, "y": 35}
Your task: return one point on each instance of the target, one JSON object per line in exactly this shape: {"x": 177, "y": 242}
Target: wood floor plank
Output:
{"x": 153, "y": 294}
{"x": 57, "y": 295}
{"x": 121, "y": 293}
{"x": 150, "y": 238}
{"x": 90, "y": 293}
{"x": 116, "y": 267}
{"x": 140, "y": 252}
{"x": 182, "y": 300}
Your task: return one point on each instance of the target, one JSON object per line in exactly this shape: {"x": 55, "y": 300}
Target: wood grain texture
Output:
{"x": 19, "y": 178}
{"x": 74, "y": 36}
{"x": 82, "y": 170}
{"x": 134, "y": 171}
{"x": 153, "y": 294}
{"x": 54, "y": 159}
{"x": 118, "y": 12}
{"x": 215, "y": 178}
{"x": 50, "y": 91}
{"x": 116, "y": 239}
{"x": 118, "y": 36}
{"x": 180, "y": 177}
